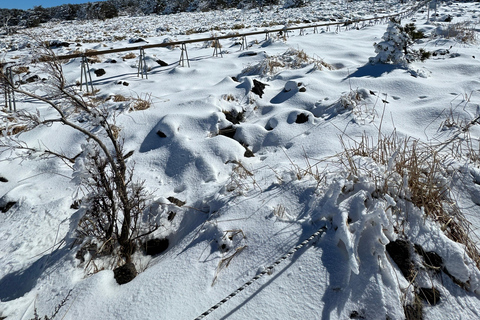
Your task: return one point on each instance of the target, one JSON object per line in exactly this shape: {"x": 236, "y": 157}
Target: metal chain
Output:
{"x": 265, "y": 271}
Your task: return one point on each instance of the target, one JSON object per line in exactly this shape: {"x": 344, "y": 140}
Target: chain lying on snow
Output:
{"x": 265, "y": 271}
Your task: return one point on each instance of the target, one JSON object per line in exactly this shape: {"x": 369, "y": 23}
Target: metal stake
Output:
{"x": 142, "y": 64}
{"x": 9, "y": 92}
{"x": 217, "y": 48}
{"x": 85, "y": 71}
{"x": 183, "y": 56}
{"x": 244, "y": 45}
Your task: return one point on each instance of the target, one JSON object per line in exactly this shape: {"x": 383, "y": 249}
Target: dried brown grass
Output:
{"x": 416, "y": 172}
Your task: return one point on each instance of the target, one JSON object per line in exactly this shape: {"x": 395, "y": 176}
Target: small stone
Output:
{"x": 161, "y": 134}
{"x": 228, "y": 131}
{"x": 301, "y": 118}
{"x": 100, "y": 72}
{"x": 175, "y": 201}
{"x": 258, "y": 87}
{"x": 125, "y": 273}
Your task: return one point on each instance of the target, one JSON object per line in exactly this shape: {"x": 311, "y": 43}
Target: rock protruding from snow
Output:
{"x": 125, "y": 273}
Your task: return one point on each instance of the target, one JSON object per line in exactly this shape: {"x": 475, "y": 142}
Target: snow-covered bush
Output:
{"x": 395, "y": 48}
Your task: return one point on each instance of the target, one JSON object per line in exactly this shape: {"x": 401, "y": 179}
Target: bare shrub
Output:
{"x": 114, "y": 199}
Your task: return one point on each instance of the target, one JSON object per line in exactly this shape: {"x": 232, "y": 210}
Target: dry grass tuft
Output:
{"x": 418, "y": 173}
{"x": 21, "y": 69}
{"x": 291, "y": 59}
{"x": 130, "y": 55}
{"x": 140, "y": 103}
{"x": 120, "y": 98}
{"x": 241, "y": 179}
{"x": 463, "y": 32}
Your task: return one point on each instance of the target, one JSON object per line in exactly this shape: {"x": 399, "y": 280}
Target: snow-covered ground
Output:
{"x": 321, "y": 97}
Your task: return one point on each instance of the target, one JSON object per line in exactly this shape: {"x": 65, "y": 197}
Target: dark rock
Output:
{"x": 171, "y": 215}
{"x": 136, "y": 40}
{"x": 302, "y": 89}
{"x": 162, "y": 63}
{"x": 431, "y": 259}
{"x": 156, "y": 246}
{"x": 228, "y": 132}
{"x": 430, "y": 295}
{"x": 57, "y": 44}
{"x": 399, "y": 251}
{"x": 234, "y": 116}
{"x": 75, "y": 205}
{"x": 125, "y": 273}
{"x": 356, "y": 315}
{"x": 112, "y": 61}
{"x": 161, "y": 134}
{"x": 301, "y": 118}
{"x": 125, "y": 83}
{"x": 32, "y": 79}
{"x": 258, "y": 87}
{"x": 7, "y": 206}
{"x": 2, "y": 179}
{"x": 235, "y": 79}
{"x": 248, "y": 153}
{"x": 176, "y": 201}
{"x": 100, "y": 72}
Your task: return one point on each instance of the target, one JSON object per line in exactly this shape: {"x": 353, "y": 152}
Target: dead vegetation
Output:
{"x": 415, "y": 172}
{"x": 291, "y": 59}
{"x": 141, "y": 103}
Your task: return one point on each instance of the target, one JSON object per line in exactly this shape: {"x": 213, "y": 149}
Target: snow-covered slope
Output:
{"x": 321, "y": 100}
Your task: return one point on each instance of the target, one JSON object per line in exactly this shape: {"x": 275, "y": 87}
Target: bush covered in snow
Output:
{"x": 396, "y": 45}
